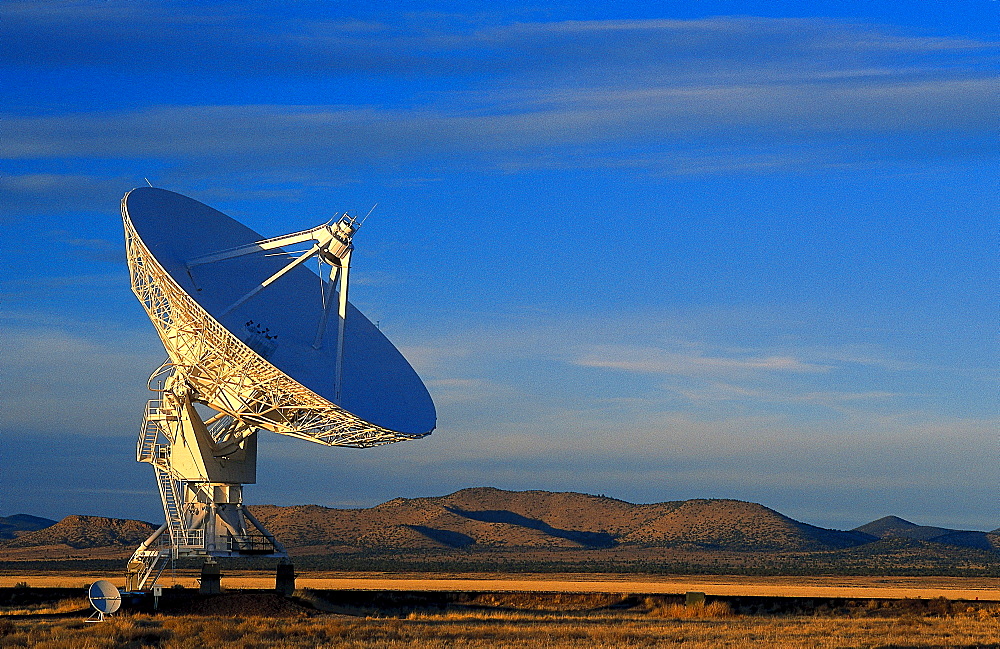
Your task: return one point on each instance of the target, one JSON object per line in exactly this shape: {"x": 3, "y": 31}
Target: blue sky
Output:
{"x": 652, "y": 250}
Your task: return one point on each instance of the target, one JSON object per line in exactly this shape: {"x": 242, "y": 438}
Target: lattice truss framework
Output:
{"x": 228, "y": 376}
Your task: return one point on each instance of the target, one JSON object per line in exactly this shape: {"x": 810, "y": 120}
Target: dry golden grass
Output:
{"x": 514, "y": 630}
{"x": 714, "y": 610}
{"x": 48, "y": 608}
{"x": 955, "y": 588}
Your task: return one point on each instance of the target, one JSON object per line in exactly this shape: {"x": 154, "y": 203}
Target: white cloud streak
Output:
{"x": 660, "y": 361}
{"x": 56, "y": 380}
{"x": 318, "y": 135}
{"x": 563, "y": 378}
{"x": 733, "y": 88}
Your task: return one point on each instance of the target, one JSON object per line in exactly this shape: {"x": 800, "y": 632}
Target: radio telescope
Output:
{"x": 255, "y": 341}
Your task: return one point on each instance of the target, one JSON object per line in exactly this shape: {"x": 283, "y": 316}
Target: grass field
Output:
{"x": 258, "y": 620}
{"x": 531, "y": 611}
{"x": 656, "y": 628}
{"x": 954, "y": 588}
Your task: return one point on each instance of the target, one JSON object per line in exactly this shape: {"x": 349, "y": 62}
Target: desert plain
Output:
{"x": 490, "y": 568}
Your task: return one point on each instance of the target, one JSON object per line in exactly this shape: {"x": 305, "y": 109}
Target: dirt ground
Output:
{"x": 953, "y": 588}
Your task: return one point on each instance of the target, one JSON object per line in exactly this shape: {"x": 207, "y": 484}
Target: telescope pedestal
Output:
{"x": 201, "y": 468}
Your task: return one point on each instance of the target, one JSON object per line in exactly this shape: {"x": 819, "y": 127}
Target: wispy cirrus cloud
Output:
{"x": 401, "y": 43}
{"x": 57, "y": 192}
{"x": 660, "y": 361}
{"x": 59, "y": 379}
{"x": 719, "y": 391}
{"x": 306, "y": 136}
{"x": 690, "y": 97}
{"x": 616, "y": 370}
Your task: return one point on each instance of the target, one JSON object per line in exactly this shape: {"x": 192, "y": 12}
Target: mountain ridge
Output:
{"x": 13, "y": 526}
{"x": 491, "y": 518}
{"x": 76, "y": 531}
{"x": 889, "y": 527}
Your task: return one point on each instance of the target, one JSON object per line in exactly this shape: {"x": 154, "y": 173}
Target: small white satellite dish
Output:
{"x": 105, "y": 599}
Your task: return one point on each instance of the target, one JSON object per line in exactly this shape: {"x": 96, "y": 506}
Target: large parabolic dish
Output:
{"x": 265, "y": 358}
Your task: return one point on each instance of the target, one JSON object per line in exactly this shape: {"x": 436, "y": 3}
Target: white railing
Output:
{"x": 146, "y": 445}
{"x": 192, "y": 539}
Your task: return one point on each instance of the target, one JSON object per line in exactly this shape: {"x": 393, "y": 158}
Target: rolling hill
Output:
{"x": 895, "y": 527}
{"x": 488, "y": 517}
{"x": 491, "y": 529}
{"x": 14, "y": 526}
{"x": 85, "y": 532}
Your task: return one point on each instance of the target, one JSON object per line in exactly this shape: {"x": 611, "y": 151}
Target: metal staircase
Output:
{"x": 153, "y": 447}
{"x": 146, "y": 444}
{"x": 169, "y": 497}
{"x": 155, "y": 424}
{"x": 145, "y": 567}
